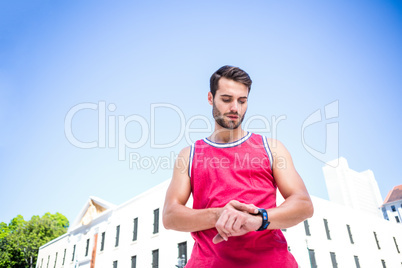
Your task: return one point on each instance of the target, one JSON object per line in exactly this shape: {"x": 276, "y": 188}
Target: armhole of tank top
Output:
{"x": 268, "y": 150}
{"x": 190, "y": 159}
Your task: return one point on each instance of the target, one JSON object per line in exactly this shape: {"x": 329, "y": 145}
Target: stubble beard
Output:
{"x": 220, "y": 119}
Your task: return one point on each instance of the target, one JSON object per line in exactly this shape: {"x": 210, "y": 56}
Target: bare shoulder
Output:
{"x": 275, "y": 145}
{"x": 281, "y": 156}
{"x": 182, "y": 159}
{"x": 185, "y": 152}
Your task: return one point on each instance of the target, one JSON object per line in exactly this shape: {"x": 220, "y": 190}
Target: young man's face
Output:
{"x": 229, "y": 103}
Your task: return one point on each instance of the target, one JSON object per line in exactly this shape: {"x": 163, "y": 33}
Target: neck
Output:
{"x": 224, "y": 135}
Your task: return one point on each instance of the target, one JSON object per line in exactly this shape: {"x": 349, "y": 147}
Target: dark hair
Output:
{"x": 229, "y": 72}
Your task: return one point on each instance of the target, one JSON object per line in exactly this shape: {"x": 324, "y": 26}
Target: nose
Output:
{"x": 234, "y": 108}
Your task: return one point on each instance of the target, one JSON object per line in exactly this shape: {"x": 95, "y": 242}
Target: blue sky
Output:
{"x": 151, "y": 62}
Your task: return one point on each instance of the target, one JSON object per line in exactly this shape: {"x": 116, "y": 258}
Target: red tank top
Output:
{"x": 242, "y": 170}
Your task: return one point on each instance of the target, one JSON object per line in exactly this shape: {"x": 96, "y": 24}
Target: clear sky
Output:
{"x": 97, "y": 98}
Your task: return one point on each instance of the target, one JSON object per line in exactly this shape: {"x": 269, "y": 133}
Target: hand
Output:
{"x": 236, "y": 220}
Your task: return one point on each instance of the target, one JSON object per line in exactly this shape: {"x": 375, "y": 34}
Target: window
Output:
{"x": 135, "y": 229}
{"x": 117, "y": 235}
{"x": 87, "y": 248}
{"x": 156, "y": 220}
{"x": 385, "y": 214}
{"x": 393, "y": 208}
{"x": 327, "y": 229}
{"x": 41, "y": 263}
{"x": 307, "y": 228}
{"x": 115, "y": 264}
{"x": 155, "y": 258}
{"x": 55, "y": 260}
{"x": 73, "y": 253}
{"x": 397, "y": 219}
{"x": 350, "y": 234}
{"x": 376, "y": 240}
{"x": 64, "y": 256}
{"x": 283, "y": 230}
{"x": 48, "y": 259}
{"x": 312, "y": 258}
{"x": 102, "y": 242}
{"x": 134, "y": 262}
{"x": 182, "y": 258}
{"x": 333, "y": 260}
{"x": 383, "y": 264}
{"x": 357, "y": 262}
{"x": 396, "y": 245}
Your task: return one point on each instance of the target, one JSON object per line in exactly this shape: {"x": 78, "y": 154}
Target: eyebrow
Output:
{"x": 230, "y": 96}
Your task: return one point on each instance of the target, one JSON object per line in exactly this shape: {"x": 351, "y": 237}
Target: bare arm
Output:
{"x": 297, "y": 205}
{"x": 177, "y": 216}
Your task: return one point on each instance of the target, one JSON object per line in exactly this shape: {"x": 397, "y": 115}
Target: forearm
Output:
{"x": 292, "y": 211}
{"x": 181, "y": 218}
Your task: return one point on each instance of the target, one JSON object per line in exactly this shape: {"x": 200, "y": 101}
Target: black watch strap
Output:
{"x": 265, "y": 221}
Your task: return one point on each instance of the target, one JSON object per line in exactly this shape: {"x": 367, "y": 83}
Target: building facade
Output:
{"x": 132, "y": 235}
{"x": 339, "y": 236}
{"x": 392, "y": 207}
{"x": 129, "y": 235}
{"x": 358, "y": 190}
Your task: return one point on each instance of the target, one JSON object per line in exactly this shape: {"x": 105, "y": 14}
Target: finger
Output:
{"x": 217, "y": 239}
{"x": 222, "y": 236}
{"x": 237, "y": 225}
{"x": 220, "y": 226}
{"x": 250, "y": 208}
{"x": 254, "y": 208}
{"x": 229, "y": 224}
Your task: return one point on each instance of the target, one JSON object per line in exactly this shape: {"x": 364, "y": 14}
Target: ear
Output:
{"x": 210, "y": 98}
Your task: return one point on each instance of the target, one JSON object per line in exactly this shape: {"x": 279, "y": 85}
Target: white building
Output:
{"x": 339, "y": 236}
{"x": 129, "y": 235}
{"x": 132, "y": 235}
{"x": 358, "y": 190}
{"x": 392, "y": 207}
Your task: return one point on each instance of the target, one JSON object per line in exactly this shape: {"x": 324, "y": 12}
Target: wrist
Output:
{"x": 257, "y": 221}
{"x": 263, "y": 215}
{"x": 216, "y": 212}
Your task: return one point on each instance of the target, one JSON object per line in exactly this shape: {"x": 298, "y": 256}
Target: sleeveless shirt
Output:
{"x": 242, "y": 171}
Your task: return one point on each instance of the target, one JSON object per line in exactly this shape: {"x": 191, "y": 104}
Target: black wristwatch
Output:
{"x": 265, "y": 221}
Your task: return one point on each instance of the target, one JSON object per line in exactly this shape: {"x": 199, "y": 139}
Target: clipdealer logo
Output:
{"x": 113, "y": 129}
{"x": 108, "y": 125}
{"x": 331, "y": 151}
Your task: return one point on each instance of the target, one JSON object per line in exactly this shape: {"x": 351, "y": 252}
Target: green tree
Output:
{"x": 20, "y": 240}
{"x": 3, "y": 230}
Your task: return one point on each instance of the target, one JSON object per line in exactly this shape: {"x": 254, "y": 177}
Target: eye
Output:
{"x": 226, "y": 100}
{"x": 242, "y": 101}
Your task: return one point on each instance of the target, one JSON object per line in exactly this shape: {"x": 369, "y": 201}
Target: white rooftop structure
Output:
{"x": 392, "y": 207}
{"x": 358, "y": 190}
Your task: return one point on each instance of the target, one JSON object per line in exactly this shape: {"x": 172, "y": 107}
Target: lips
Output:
{"x": 233, "y": 117}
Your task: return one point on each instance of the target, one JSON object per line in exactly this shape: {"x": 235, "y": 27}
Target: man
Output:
{"x": 231, "y": 174}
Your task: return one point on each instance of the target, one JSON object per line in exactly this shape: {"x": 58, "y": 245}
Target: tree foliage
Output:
{"x": 20, "y": 240}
